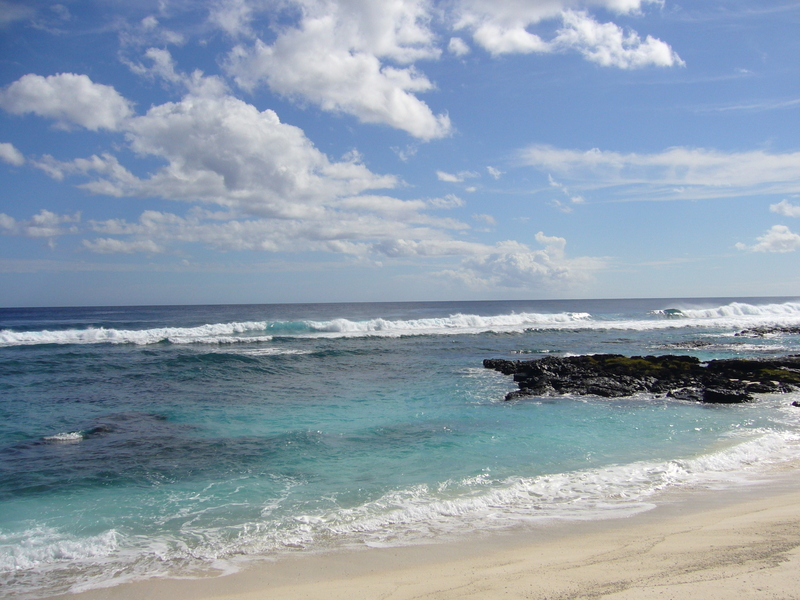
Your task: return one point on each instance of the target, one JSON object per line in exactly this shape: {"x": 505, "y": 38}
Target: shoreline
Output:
{"x": 742, "y": 542}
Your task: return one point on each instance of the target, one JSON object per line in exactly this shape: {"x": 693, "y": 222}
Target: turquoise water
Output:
{"x": 157, "y": 441}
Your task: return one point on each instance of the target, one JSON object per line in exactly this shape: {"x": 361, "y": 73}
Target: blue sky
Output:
{"x": 248, "y": 151}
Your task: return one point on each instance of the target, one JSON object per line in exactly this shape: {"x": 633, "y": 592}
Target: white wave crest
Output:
{"x": 36, "y": 549}
{"x": 458, "y": 323}
{"x": 736, "y": 315}
{"x": 740, "y": 309}
{"x": 425, "y": 512}
{"x": 216, "y": 333}
{"x": 606, "y": 492}
{"x": 224, "y": 333}
{"x": 73, "y": 436}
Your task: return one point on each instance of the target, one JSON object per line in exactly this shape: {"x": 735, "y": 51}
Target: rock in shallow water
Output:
{"x": 726, "y": 381}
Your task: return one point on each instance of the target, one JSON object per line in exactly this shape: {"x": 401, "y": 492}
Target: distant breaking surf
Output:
{"x": 733, "y": 315}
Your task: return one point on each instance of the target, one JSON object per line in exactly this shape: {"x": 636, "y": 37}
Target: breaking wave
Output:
{"x": 734, "y": 315}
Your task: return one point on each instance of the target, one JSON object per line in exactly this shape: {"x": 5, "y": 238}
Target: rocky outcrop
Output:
{"x": 764, "y": 331}
{"x": 725, "y": 381}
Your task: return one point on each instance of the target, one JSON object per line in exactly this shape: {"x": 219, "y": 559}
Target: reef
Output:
{"x": 764, "y": 331}
{"x": 723, "y": 381}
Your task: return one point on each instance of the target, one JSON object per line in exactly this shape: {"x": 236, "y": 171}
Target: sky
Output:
{"x": 269, "y": 151}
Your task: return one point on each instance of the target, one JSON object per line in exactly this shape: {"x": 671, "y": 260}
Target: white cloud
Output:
{"x": 115, "y": 246}
{"x": 507, "y": 264}
{"x": 496, "y": 173}
{"x": 565, "y": 208}
{"x": 9, "y": 154}
{"x": 348, "y": 232}
{"x": 221, "y": 150}
{"x": 509, "y": 40}
{"x": 233, "y": 17}
{"x": 514, "y": 265}
{"x": 69, "y": 99}
{"x": 458, "y": 46}
{"x": 573, "y": 198}
{"x": 335, "y": 57}
{"x": 148, "y": 32}
{"x": 785, "y": 208}
{"x": 384, "y": 205}
{"x": 163, "y": 67}
{"x": 106, "y": 165}
{"x": 673, "y": 173}
{"x": 455, "y": 178}
{"x": 449, "y": 201}
{"x": 279, "y": 192}
{"x": 485, "y": 219}
{"x": 44, "y": 224}
{"x": 400, "y": 247}
{"x": 778, "y": 239}
{"x": 608, "y": 45}
{"x": 504, "y": 28}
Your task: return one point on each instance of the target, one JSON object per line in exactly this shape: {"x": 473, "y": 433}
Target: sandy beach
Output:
{"x": 741, "y": 543}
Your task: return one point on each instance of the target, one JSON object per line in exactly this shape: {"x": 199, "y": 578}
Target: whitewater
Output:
{"x": 182, "y": 441}
{"x": 736, "y": 314}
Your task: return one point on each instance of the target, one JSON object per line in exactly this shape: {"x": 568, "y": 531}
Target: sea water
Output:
{"x": 176, "y": 441}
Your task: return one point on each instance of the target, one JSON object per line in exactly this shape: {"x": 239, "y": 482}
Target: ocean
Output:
{"x": 178, "y": 441}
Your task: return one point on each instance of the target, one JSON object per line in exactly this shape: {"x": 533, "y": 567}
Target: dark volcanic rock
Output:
{"x": 682, "y": 377}
{"x": 691, "y": 394}
{"x": 725, "y": 396}
{"x": 762, "y": 331}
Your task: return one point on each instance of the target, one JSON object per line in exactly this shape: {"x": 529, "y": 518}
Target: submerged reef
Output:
{"x": 723, "y": 381}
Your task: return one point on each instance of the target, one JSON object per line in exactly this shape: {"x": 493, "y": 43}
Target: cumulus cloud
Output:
{"x": 278, "y": 192}
{"x": 336, "y": 57}
{"x": 507, "y": 264}
{"x": 608, "y": 45}
{"x": 785, "y": 208}
{"x": 68, "y": 98}
{"x": 359, "y": 58}
{"x": 514, "y": 265}
{"x": 778, "y": 239}
{"x": 674, "y": 173}
{"x": 504, "y": 28}
{"x": 10, "y": 155}
{"x": 161, "y": 66}
{"x": 45, "y": 224}
{"x": 233, "y": 17}
{"x": 221, "y": 150}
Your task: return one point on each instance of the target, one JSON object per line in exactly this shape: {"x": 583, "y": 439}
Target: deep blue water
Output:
{"x": 149, "y": 441}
